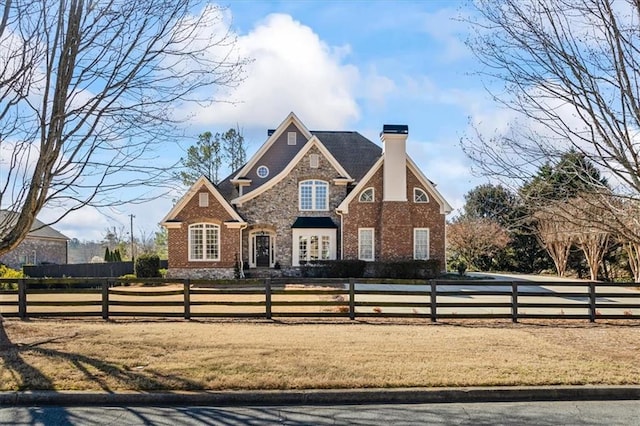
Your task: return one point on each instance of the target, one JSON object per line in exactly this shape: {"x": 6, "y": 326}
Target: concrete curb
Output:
{"x": 322, "y": 396}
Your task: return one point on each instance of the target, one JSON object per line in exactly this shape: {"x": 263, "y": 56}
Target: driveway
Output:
{"x": 553, "y": 293}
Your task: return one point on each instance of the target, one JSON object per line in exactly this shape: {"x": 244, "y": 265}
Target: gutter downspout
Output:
{"x": 242, "y": 228}
{"x": 339, "y": 213}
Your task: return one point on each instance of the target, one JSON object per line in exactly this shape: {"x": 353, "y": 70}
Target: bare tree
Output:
{"x": 570, "y": 71}
{"x": 555, "y": 235}
{"x": 475, "y": 240}
{"x": 88, "y": 95}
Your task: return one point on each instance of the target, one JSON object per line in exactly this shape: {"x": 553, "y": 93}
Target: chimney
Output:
{"x": 394, "y": 142}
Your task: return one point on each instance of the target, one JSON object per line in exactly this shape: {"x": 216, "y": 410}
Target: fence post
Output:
{"x": 514, "y": 301}
{"x": 187, "y": 299}
{"x": 22, "y": 299}
{"x": 105, "y": 299}
{"x": 592, "y": 301}
{"x": 433, "y": 296}
{"x": 352, "y": 299}
{"x": 267, "y": 297}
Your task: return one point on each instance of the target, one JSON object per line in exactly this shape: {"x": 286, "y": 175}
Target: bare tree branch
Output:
{"x": 90, "y": 93}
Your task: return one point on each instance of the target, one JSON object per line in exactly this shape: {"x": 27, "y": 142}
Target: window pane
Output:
{"x": 421, "y": 244}
{"x": 302, "y": 247}
{"x": 366, "y": 244}
{"x": 313, "y": 248}
{"x": 212, "y": 242}
{"x": 326, "y": 247}
{"x": 321, "y": 196}
{"x": 306, "y": 196}
{"x": 195, "y": 250}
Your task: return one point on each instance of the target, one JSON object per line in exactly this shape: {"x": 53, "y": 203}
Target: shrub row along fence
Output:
{"x": 269, "y": 298}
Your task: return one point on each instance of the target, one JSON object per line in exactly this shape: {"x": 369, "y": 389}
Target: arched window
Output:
{"x": 204, "y": 241}
{"x": 419, "y": 196}
{"x": 314, "y": 195}
{"x": 367, "y": 196}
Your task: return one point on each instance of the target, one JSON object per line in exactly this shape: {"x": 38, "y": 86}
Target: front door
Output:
{"x": 263, "y": 251}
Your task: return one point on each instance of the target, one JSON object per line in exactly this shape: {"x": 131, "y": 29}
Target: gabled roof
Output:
{"x": 355, "y": 153}
{"x": 291, "y": 119}
{"x": 313, "y": 142}
{"x": 445, "y": 207}
{"x": 193, "y": 190}
{"x": 38, "y": 228}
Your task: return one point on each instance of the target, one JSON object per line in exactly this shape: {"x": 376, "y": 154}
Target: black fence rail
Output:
{"x": 107, "y": 269}
{"x": 305, "y": 297}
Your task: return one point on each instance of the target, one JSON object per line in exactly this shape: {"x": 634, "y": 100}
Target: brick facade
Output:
{"x": 394, "y": 222}
{"x": 192, "y": 213}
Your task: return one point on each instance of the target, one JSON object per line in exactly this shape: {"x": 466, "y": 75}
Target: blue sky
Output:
{"x": 341, "y": 66}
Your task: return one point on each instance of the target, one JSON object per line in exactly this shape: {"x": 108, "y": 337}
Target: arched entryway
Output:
{"x": 262, "y": 243}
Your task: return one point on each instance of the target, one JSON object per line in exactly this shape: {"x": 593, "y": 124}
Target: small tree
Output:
{"x": 476, "y": 241}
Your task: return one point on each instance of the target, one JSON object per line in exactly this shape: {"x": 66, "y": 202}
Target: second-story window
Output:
{"x": 314, "y": 195}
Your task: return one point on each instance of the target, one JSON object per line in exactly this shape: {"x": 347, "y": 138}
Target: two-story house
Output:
{"x": 309, "y": 195}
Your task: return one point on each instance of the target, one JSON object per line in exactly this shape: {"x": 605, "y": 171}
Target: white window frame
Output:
{"x": 417, "y": 231}
{"x": 321, "y": 235}
{"x": 292, "y": 138}
{"x": 266, "y": 174}
{"x": 373, "y": 195}
{"x": 361, "y": 231}
{"x": 203, "y": 199}
{"x": 204, "y": 227}
{"x": 417, "y": 192}
{"x": 315, "y": 183}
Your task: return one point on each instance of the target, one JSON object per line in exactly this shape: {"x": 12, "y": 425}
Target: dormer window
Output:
{"x": 292, "y": 138}
{"x": 420, "y": 196}
{"x": 367, "y": 196}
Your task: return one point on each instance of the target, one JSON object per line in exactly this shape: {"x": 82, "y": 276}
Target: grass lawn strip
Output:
{"x": 218, "y": 355}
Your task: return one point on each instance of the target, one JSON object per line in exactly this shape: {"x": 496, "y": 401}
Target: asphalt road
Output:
{"x": 516, "y": 413}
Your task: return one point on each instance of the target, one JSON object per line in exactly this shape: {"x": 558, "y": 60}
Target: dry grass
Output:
{"x": 163, "y": 355}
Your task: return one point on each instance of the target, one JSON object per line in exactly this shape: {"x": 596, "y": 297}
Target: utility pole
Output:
{"x": 133, "y": 258}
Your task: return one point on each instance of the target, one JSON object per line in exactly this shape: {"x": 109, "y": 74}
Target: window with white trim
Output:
{"x": 292, "y": 138}
{"x": 421, "y": 243}
{"x": 204, "y": 242}
{"x": 367, "y": 196}
{"x": 365, "y": 244}
{"x": 313, "y": 244}
{"x": 203, "y": 199}
{"x": 314, "y": 195}
{"x": 420, "y": 196}
{"x": 263, "y": 171}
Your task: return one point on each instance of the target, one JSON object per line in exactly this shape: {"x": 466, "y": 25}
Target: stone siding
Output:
{"x": 277, "y": 208}
{"x": 42, "y": 250}
{"x": 201, "y": 273}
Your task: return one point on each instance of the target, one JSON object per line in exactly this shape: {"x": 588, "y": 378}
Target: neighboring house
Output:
{"x": 309, "y": 195}
{"x": 43, "y": 244}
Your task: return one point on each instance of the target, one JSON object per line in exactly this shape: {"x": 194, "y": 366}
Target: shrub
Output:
{"x": 347, "y": 268}
{"x": 6, "y": 272}
{"x": 406, "y": 269}
{"x": 148, "y": 266}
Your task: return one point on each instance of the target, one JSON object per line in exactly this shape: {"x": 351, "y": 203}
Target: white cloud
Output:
{"x": 292, "y": 70}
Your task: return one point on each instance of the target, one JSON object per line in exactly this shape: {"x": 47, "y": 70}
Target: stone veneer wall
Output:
{"x": 394, "y": 223}
{"x": 277, "y": 208}
{"x": 46, "y": 250}
{"x": 178, "y": 241}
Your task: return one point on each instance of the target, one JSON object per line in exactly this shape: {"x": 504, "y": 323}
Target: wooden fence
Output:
{"x": 304, "y": 297}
